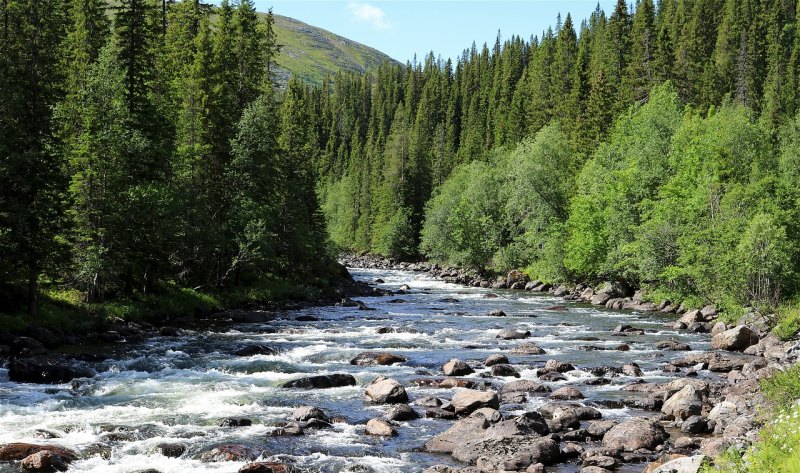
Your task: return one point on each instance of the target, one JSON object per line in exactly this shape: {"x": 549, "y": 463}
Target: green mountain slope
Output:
{"x": 311, "y": 53}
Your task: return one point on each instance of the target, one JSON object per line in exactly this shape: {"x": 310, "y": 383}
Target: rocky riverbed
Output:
{"x": 426, "y": 374}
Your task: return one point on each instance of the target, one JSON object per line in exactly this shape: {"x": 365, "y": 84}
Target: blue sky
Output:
{"x": 401, "y": 28}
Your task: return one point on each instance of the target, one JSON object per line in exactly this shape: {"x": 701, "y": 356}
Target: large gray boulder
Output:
{"x": 685, "y": 403}
{"x": 635, "y": 433}
{"x": 470, "y": 428}
{"x": 507, "y": 453}
{"x": 735, "y": 339}
{"x": 383, "y": 390}
{"x": 466, "y": 401}
{"x": 682, "y": 465}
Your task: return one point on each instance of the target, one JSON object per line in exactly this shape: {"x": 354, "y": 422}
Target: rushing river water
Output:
{"x": 177, "y": 389}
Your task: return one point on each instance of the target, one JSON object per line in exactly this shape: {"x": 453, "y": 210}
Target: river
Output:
{"x": 177, "y": 389}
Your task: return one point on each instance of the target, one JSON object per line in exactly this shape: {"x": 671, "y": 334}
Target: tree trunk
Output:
{"x": 33, "y": 289}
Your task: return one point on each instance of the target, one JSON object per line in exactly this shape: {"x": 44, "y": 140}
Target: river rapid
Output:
{"x": 178, "y": 389}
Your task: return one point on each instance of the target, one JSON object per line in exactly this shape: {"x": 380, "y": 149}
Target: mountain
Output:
{"x": 311, "y": 53}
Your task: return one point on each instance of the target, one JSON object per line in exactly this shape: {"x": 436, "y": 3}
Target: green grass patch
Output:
{"x": 65, "y": 309}
{"x": 782, "y": 389}
{"x": 787, "y": 323}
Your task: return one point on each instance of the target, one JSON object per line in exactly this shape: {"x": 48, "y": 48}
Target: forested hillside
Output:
{"x": 148, "y": 152}
{"x": 656, "y": 146}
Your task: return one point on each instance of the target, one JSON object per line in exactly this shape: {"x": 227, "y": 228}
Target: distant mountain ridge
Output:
{"x": 311, "y": 53}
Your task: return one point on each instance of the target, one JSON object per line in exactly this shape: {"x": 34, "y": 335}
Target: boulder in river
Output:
{"x": 635, "y": 433}
{"x": 252, "y": 350}
{"x": 307, "y": 413}
{"x": 735, "y": 339}
{"x": 322, "y": 382}
{"x": 508, "y": 453}
{"x": 566, "y": 393}
{"x": 11, "y": 452}
{"x": 560, "y": 366}
{"x": 171, "y": 450}
{"x": 227, "y": 453}
{"x": 505, "y": 370}
{"x": 685, "y": 403}
{"x": 496, "y": 313}
{"x": 44, "y": 462}
{"x": 510, "y": 334}
{"x": 44, "y": 372}
{"x": 528, "y": 349}
{"x": 235, "y": 422}
{"x": 400, "y": 413}
{"x": 495, "y": 359}
{"x": 466, "y": 401}
{"x": 383, "y": 390}
{"x": 470, "y": 428}
{"x": 380, "y": 428}
{"x": 374, "y": 358}
{"x": 456, "y": 367}
{"x": 266, "y": 467}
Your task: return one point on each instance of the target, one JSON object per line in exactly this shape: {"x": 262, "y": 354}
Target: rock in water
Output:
{"x": 383, "y": 390}
{"x": 466, "y": 401}
{"x": 380, "y": 428}
{"x": 11, "y": 452}
{"x": 456, "y": 367}
{"x": 43, "y": 372}
{"x": 508, "y": 453}
{"x": 227, "y": 453}
{"x": 322, "y": 382}
{"x": 373, "y": 358}
{"x": 44, "y": 462}
{"x": 635, "y": 433}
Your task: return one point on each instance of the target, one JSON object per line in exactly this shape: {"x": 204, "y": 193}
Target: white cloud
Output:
{"x": 371, "y": 14}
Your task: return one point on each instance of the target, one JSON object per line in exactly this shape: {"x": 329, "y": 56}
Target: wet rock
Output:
{"x": 647, "y": 403}
{"x": 632, "y": 370}
{"x": 552, "y": 376}
{"x": 375, "y": 358}
{"x": 466, "y": 401}
{"x": 291, "y": 429}
{"x": 307, "y": 413}
{"x": 428, "y": 401}
{"x": 235, "y": 422}
{"x": 266, "y": 467}
{"x": 400, "y": 413}
{"x": 383, "y": 390}
{"x": 634, "y": 434}
{"x": 27, "y": 346}
{"x": 505, "y": 370}
{"x": 45, "y": 434}
{"x": 599, "y": 428}
{"x": 735, "y": 339}
{"x": 495, "y": 359}
{"x": 507, "y": 453}
{"x": 470, "y": 428}
{"x": 171, "y": 332}
{"x": 496, "y": 313}
{"x": 456, "y": 367}
{"x": 227, "y": 453}
{"x": 672, "y": 345}
{"x": 601, "y": 461}
{"x": 695, "y": 425}
{"x": 322, "y": 382}
{"x": 492, "y": 415}
{"x": 684, "y": 443}
{"x": 593, "y": 469}
{"x": 556, "y": 308}
{"x": 689, "y": 318}
{"x": 562, "y": 419}
{"x": 600, "y": 299}
{"x": 171, "y": 450}
{"x": 509, "y": 334}
{"x": 405, "y": 287}
{"x": 306, "y": 318}
{"x": 44, "y": 372}
{"x": 439, "y": 413}
{"x": 524, "y": 386}
{"x": 45, "y": 462}
{"x": 527, "y": 349}
{"x": 560, "y": 366}
{"x": 566, "y": 393}
{"x": 530, "y": 423}
{"x": 253, "y": 350}
{"x": 11, "y": 452}
{"x": 685, "y": 403}
{"x": 380, "y": 428}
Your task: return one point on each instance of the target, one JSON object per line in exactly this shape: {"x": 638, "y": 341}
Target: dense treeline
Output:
{"x": 142, "y": 145}
{"x": 656, "y": 146}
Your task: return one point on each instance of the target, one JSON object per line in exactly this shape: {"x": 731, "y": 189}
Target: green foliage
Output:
{"x": 787, "y": 322}
{"x": 783, "y": 388}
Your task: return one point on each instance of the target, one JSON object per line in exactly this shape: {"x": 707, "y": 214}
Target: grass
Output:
{"x": 65, "y": 310}
{"x": 787, "y": 321}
